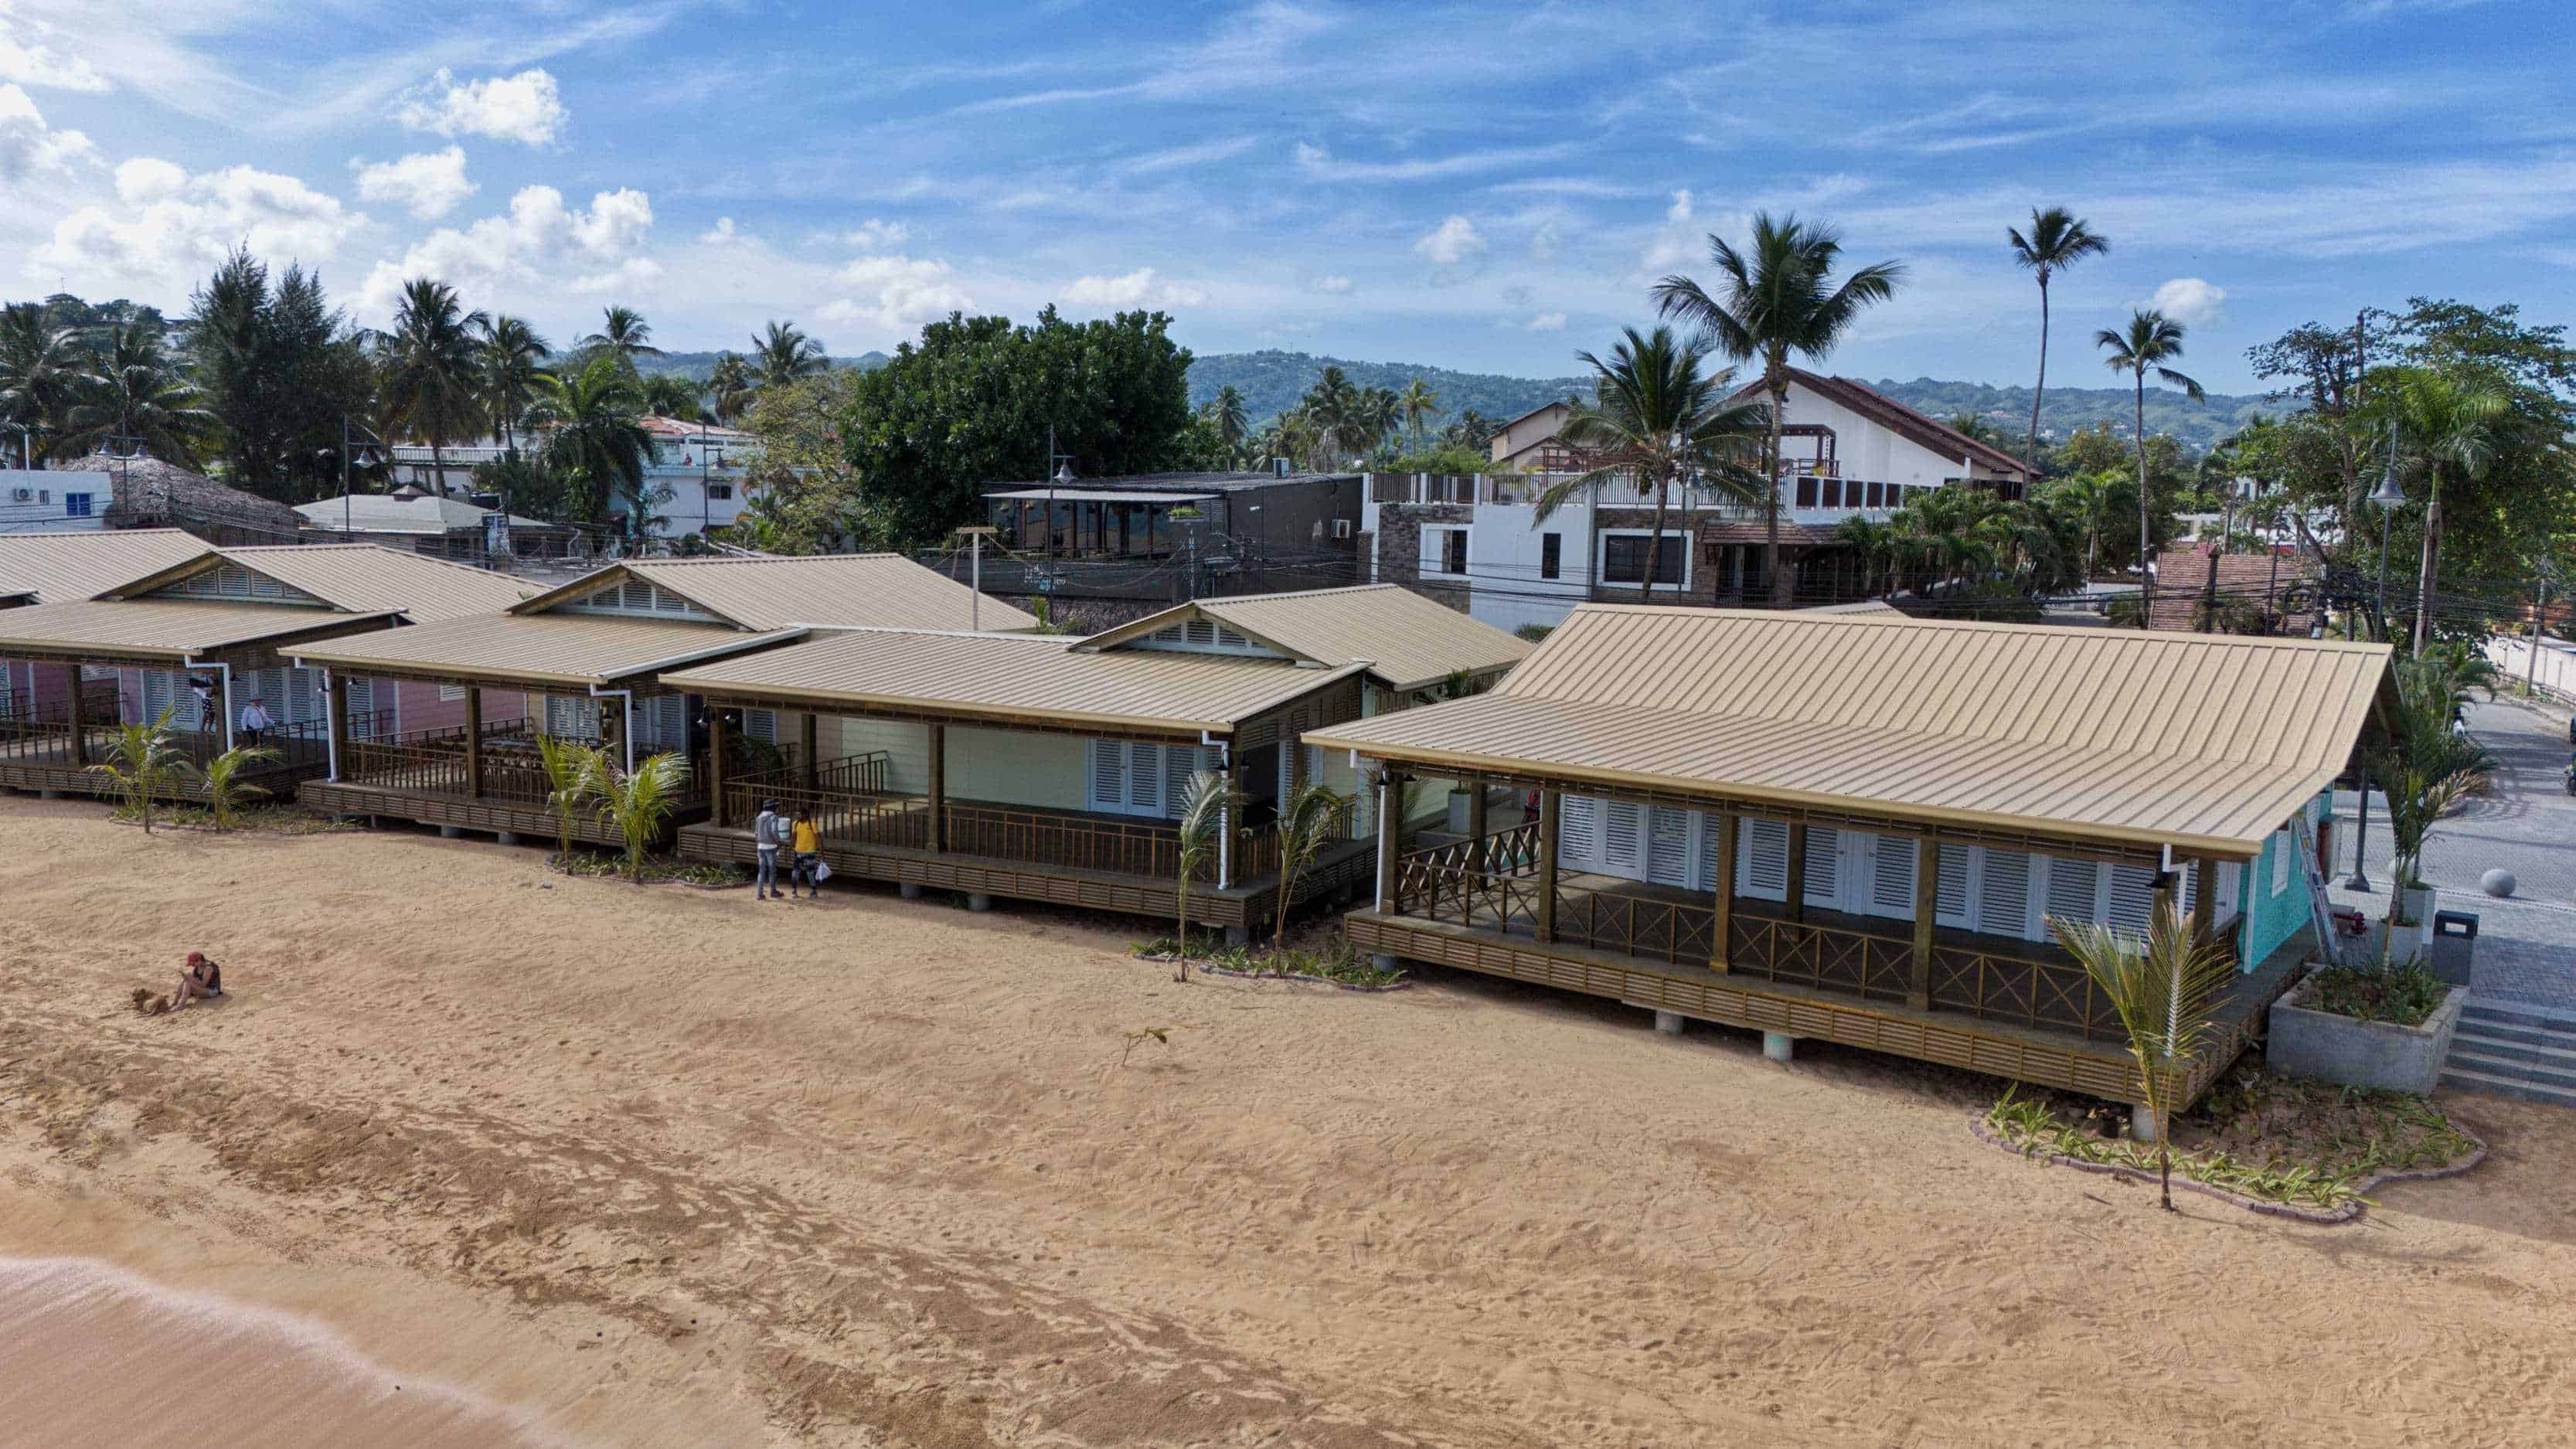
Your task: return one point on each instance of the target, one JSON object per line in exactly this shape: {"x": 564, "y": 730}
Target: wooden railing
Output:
{"x": 1831, "y": 958}
{"x": 1082, "y": 842}
{"x": 434, "y": 762}
{"x": 2056, "y": 995}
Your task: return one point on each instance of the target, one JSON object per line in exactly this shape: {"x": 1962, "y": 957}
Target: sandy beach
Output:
{"x": 597, "y": 1164}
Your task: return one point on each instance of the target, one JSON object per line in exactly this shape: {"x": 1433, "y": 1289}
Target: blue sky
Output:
{"x": 1471, "y": 186}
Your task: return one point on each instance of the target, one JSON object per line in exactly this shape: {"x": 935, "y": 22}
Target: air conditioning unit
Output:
{"x": 22, "y": 495}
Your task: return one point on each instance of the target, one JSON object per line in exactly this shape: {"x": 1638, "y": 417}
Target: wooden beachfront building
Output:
{"x": 1050, "y": 769}
{"x": 1855, "y": 827}
{"x": 583, "y": 661}
{"x": 222, "y": 617}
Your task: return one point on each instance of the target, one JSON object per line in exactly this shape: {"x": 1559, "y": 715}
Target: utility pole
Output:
{"x": 975, "y": 578}
{"x": 2539, "y": 631}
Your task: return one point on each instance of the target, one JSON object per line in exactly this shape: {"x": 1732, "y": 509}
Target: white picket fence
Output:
{"x": 2556, "y": 674}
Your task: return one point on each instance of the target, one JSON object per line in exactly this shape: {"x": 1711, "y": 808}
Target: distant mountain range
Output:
{"x": 699, "y": 366}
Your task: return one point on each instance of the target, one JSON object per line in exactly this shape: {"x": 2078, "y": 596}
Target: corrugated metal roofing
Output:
{"x": 537, "y": 648}
{"x": 2205, "y": 742}
{"x": 64, "y": 567}
{"x": 386, "y": 513}
{"x": 1005, "y": 677}
{"x": 1410, "y": 641}
{"x": 158, "y": 628}
{"x": 360, "y": 577}
{"x": 866, "y": 590}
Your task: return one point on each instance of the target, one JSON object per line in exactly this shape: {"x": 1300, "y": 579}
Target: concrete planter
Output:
{"x": 2331, "y": 1048}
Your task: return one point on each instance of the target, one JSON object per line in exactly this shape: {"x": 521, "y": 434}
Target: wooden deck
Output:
{"x": 462, "y": 812}
{"x": 48, "y": 764}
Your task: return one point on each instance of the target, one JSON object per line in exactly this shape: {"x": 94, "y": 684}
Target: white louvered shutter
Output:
{"x": 2074, "y": 889}
{"x": 1762, "y": 861}
{"x": 1144, "y": 779}
{"x": 1623, "y": 838}
{"x": 162, "y": 690}
{"x": 1179, "y": 763}
{"x": 1108, "y": 775}
{"x": 761, "y": 724}
{"x": 1668, "y": 846}
{"x": 2132, "y": 904}
{"x": 1578, "y": 832}
{"x": 2003, "y": 893}
{"x": 1824, "y": 866}
{"x": 1705, "y": 877}
{"x": 1891, "y": 876}
{"x": 1955, "y": 890}
{"x": 2231, "y": 888}
{"x": 362, "y": 708}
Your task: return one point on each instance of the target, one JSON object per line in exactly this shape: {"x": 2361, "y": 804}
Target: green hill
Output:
{"x": 699, "y": 366}
{"x": 2196, "y": 425}
{"x": 1272, "y": 381}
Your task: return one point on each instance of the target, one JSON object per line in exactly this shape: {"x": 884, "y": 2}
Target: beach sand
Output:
{"x": 654, "y": 1166}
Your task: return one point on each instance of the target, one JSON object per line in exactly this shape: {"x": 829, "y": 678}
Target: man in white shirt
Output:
{"x": 255, "y": 720}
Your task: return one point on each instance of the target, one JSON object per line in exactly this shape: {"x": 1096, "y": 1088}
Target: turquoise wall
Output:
{"x": 2271, "y": 918}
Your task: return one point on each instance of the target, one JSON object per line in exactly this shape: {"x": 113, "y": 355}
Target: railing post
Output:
{"x": 474, "y": 742}
{"x": 938, "y": 788}
{"x": 2204, "y": 886}
{"x": 1722, "y": 928}
{"x": 715, "y": 764}
{"x": 335, "y": 713}
{"x": 1548, "y": 802}
{"x": 1476, "y": 822}
{"x": 1797, "y": 902}
{"x": 78, "y": 718}
{"x": 1927, "y": 909}
{"x": 809, "y": 750}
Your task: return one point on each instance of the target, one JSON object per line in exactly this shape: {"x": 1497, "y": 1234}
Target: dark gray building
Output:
{"x": 1166, "y": 536}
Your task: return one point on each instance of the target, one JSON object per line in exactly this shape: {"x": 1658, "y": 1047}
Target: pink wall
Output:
{"x": 420, "y": 708}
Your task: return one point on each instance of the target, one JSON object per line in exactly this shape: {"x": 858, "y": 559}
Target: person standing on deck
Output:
{"x": 255, "y": 720}
{"x": 768, "y": 833}
{"x": 209, "y": 714}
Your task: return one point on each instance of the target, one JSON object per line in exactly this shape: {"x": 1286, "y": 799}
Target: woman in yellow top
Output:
{"x": 806, "y": 839}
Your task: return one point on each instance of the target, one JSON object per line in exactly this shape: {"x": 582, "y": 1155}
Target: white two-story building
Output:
{"x": 701, "y": 466}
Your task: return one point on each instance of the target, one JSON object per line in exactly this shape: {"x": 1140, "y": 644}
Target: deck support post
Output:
{"x": 2204, "y": 890}
{"x": 1550, "y": 804}
{"x": 2143, "y": 1126}
{"x": 1390, "y": 800}
{"x": 474, "y": 742}
{"x": 810, "y": 764}
{"x": 938, "y": 756}
{"x": 715, "y": 765}
{"x": 1722, "y": 926}
{"x": 335, "y": 703}
{"x": 1476, "y": 824}
{"x": 1669, "y": 1022}
{"x": 1797, "y": 902}
{"x": 78, "y": 718}
{"x": 1927, "y": 911}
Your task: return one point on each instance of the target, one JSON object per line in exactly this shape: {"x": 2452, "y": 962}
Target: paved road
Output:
{"x": 2526, "y": 947}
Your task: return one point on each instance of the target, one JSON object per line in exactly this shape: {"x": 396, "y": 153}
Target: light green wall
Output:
{"x": 907, "y": 748}
{"x": 1016, "y": 769}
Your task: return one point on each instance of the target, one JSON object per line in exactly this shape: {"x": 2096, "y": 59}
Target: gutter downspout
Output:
{"x": 330, "y": 727}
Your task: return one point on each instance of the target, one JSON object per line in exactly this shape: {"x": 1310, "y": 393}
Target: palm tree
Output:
{"x": 783, "y": 354}
{"x": 219, "y": 780}
{"x": 143, "y": 760}
{"x": 1418, "y": 402}
{"x": 1233, "y": 419}
{"x": 40, "y": 375}
{"x": 639, "y": 802}
{"x": 730, "y": 386}
{"x": 1305, "y": 822}
{"x": 1656, "y": 420}
{"x": 1207, "y": 815}
{"x": 1774, "y": 302}
{"x": 669, "y": 395}
{"x": 2152, "y": 340}
{"x": 1972, "y": 425}
{"x": 138, "y": 395}
{"x": 2058, "y": 239}
{"x": 2425, "y": 764}
{"x": 572, "y": 767}
{"x": 2167, "y": 993}
{"x": 596, "y": 440}
{"x": 512, "y": 355}
{"x": 1335, "y": 409}
{"x": 2094, "y": 504}
{"x": 2450, "y": 422}
{"x": 623, "y": 334}
{"x": 433, "y": 369}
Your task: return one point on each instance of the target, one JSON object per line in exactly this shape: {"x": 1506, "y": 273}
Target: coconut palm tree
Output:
{"x": 1775, "y": 301}
{"x": 2449, "y": 422}
{"x": 572, "y": 769}
{"x": 219, "y": 780}
{"x": 2058, "y": 239}
{"x": 594, "y": 437}
{"x": 782, "y": 354}
{"x": 41, "y": 374}
{"x": 2425, "y": 764}
{"x": 1418, "y": 402}
{"x": 512, "y": 355}
{"x": 2152, "y": 340}
{"x": 143, "y": 760}
{"x": 639, "y": 802}
{"x": 2166, "y": 992}
{"x": 669, "y": 395}
{"x": 1208, "y": 812}
{"x": 432, "y": 372}
{"x": 136, "y": 394}
{"x": 730, "y": 386}
{"x": 1233, "y": 418}
{"x": 623, "y": 334}
{"x": 1656, "y": 420}
{"x": 2095, "y": 504}
{"x": 1306, "y": 820}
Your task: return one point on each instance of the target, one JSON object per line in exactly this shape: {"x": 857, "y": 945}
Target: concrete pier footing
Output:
{"x": 910, "y": 890}
{"x": 1669, "y": 1022}
{"x": 978, "y": 901}
{"x": 1779, "y": 1046}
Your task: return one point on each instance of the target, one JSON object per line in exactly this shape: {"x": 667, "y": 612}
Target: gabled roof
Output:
{"x": 540, "y": 649}
{"x": 391, "y": 513}
{"x": 1013, "y": 678}
{"x": 164, "y": 629}
{"x": 354, "y": 577}
{"x": 1406, "y": 640}
{"x": 64, "y": 567}
{"x": 2198, "y": 741}
{"x": 1916, "y": 427}
{"x": 865, "y": 590}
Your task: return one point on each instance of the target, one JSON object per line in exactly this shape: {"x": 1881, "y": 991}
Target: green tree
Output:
{"x": 804, "y": 494}
{"x": 41, "y": 374}
{"x": 572, "y": 770}
{"x": 637, "y": 803}
{"x": 2166, "y": 992}
{"x": 970, "y": 404}
{"x": 510, "y": 355}
{"x": 782, "y": 354}
{"x": 1208, "y": 812}
{"x": 1307, "y": 819}
{"x": 623, "y": 334}
{"x": 2058, "y": 239}
{"x": 2424, "y": 763}
{"x": 1777, "y": 301}
{"x": 595, "y": 442}
{"x": 730, "y": 386}
{"x": 220, "y": 781}
{"x": 1658, "y": 419}
{"x": 1418, "y": 402}
{"x": 143, "y": 761}
{"x": 1228, "y": 411}
{"x": 2449, "y": 422}
{"x": 132, "y": 390}
{"x": 2151, "y": 341}
{"x": 433, "y": 377}
{"x": 669, "y": 395}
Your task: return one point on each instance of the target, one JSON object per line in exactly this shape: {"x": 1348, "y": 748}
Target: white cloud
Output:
{"x": 627, "y": 276}
{"x": 1320, "y": 164}
{"x": 1332, "y": 286}
{"x": 169, "y": 226}
{"x": 539, "y": 237}
{"x": 896, "y": 294}
{"x": 428, "y": 184}
{"x": 873, "y": 235}
{"x": 616, "y": 220}
{"x": 1679, "y": 240}
{"x": 28, "y": 145}
{"x": 1133, "y": 289}
{"x": 723, "y": 233}
{"x": 525, "y": 107}
{"x": 1452, "y": 243}
{"x": 1546, "y": 322}
{"x": 32, "y": 62}
{"x": 2191, "y": 302}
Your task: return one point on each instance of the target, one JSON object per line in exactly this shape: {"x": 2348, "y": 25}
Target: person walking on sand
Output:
{"x": 768, "y": 832}
{"x": 255, "y": 721}
{"x": 806, "y": 839}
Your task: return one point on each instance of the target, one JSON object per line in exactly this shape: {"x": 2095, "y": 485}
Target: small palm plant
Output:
{"x": 219, "y": 780}
{"x": 572, "y": 770}
{"x": 639, "y": 802}
{"x": 143, "y": 760}
{"x": 1207, "y": 813}
{"x": 2167, "y": 991}
{"x": 1306, "y": 820}
{"x": 2425, "y": 765}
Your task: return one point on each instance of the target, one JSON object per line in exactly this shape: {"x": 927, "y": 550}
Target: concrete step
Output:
{"x": 2530, "y": 1036}
{"x": 2496, "y": 1086}
{"x": 2510, "y": 1045}
{"x": 2516, "y": 1013}
{"x": 2519, "y": 1065}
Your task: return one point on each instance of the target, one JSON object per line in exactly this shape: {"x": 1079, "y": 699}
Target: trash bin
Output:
{"x": 2455, "y": 942}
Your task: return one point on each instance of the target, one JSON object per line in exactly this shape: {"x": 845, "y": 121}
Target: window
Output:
{"x": 1444, "y": 550}
{"x": 1128, "y": 778}
{"x": 719, "y": 491}
{"x": 1623, "y": 560}
{"x": 76, "y": 505}
{"x": 1551, "y": 555}
{"x": 1877, "y": 495}
{"x": 450, "y": 693}
{"x": 1806, "y": 490}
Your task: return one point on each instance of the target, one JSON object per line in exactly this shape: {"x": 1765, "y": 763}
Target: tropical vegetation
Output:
{"x": 2058, "y": 239}
{"x": 143, "y": 762}
{"x": 2166, "y": 990}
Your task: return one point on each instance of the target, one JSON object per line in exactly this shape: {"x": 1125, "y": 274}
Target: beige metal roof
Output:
{"x": 64, "y": 567}
{"x": 360, "y": 577}
{"x": 164, "y": 628}
{"x": 1409, "y": 641}
{"x": 423, "y": 513}
{"x": 1008, "y": 677}
{"x": 573, "y": 649}
{"x": 2204, "y": 742}
{"x": 866, "y": 590}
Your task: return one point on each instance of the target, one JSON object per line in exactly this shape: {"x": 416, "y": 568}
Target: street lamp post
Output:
{"x": 2389, "y": 497}
{"x": 348, "y": 525}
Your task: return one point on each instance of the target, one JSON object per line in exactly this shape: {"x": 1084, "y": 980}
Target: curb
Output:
{"x": 2319, "y": 1217}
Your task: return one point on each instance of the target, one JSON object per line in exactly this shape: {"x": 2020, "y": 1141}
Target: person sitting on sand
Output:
{"x": 201, "y": 979}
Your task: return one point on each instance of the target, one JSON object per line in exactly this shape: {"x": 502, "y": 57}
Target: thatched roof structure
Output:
{"x": 152, "y": 493}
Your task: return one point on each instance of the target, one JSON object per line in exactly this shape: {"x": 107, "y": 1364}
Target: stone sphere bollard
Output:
{"x": 2498, "y": 883}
